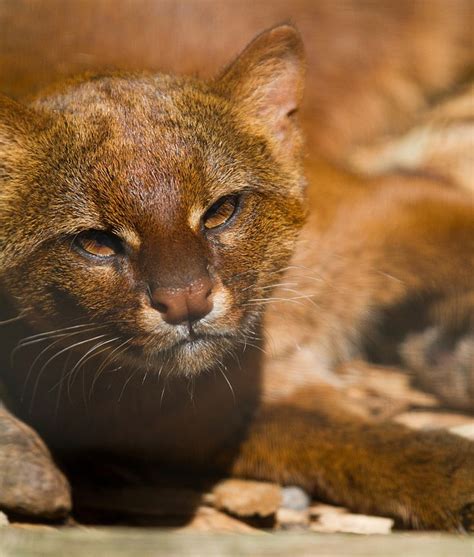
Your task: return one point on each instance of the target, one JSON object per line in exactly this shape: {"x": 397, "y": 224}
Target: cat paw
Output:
{"x": 441, "y": 482}
{"x": 30, "y": 482}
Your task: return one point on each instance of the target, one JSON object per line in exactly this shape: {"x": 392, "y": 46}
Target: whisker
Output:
{"x": 58, "y": 398}
{"x": 256, "y": 302}
{"x": 108, "y": 360}
{"x": 28, "y": 341}
{"x": 20, "y": 316}
{"x": 268, "y": 286}
{"x": 51, "y": 359}
{"x": 162, "y": 393}
{"x": 92, "y": 352}
{"x": 309, "y": 297}
{"x": 61, "y": 330}
{"x": 220, "y": 368}
{"x": 125, "y": 385}
{"x": 32, "y": 366}
{"x": 246, "y": 343}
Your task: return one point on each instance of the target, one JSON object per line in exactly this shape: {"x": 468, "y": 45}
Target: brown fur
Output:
{"x": 139, "y": 155}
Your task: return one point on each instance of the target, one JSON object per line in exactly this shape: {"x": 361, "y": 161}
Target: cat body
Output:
{"x": 158, "y": 235}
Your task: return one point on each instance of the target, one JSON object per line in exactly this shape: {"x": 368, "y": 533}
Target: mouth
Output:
{"x": 186, "y": 356}
{"x": 199, "y": 339}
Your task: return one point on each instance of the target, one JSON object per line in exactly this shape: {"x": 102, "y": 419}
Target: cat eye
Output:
{"x": 98, "y": 243}
{"x": 221, "y": 212}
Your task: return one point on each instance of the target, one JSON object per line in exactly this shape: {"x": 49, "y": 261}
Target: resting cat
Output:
{"x": 172, "y": 314}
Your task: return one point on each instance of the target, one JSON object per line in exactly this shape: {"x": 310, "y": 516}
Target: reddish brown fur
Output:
{"x": 137, "y": 152}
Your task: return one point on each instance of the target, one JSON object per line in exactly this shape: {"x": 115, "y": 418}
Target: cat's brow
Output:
{"x": 194, "y": 217}
{"x": 130, "y": 237}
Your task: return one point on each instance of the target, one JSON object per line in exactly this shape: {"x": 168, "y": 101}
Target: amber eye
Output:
{"x": 98, "y": 243}
{"x": 221, "y": 211}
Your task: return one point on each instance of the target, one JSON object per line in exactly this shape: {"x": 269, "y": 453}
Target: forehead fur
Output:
{"x": 151, "y": 141}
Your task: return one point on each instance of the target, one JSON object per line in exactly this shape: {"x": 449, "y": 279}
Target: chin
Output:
{"x": 199, "y": 355}
{"x": 186, "y": 358}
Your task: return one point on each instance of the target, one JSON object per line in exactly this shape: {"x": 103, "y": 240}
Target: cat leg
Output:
{"x": 30, "y": 483}
{"x": 423, "y": 479}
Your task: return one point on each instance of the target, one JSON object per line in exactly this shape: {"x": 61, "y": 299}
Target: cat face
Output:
{"x": 157, "y": 212}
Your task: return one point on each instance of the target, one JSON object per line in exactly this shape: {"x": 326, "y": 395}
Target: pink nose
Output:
{"x": 187, "y": 304}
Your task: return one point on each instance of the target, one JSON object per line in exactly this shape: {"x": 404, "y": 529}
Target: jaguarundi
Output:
{"x": 178, "y": 292}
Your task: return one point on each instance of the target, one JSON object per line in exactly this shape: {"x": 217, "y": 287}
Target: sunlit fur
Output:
{"x": 140, "y": 153}
{"x": 257, "y": 387}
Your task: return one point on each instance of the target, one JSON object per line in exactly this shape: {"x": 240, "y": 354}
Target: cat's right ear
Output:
{"x": 266, "y": 82}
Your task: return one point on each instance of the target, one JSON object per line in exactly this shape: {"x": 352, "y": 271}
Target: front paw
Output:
{"x": 437, "y": 487}
{"x": 30, "y": 483}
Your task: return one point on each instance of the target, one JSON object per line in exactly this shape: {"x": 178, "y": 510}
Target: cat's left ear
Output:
{"x": 266, "y": 82}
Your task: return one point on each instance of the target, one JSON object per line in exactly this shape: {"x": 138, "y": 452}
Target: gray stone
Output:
{"x": 295, "y": 498}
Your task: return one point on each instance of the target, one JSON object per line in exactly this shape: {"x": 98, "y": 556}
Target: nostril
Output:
{"x": 159, "y": 301}
{"x": 159, "y": 306}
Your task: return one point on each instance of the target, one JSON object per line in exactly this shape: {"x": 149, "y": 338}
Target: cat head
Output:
{"x": 155, "y": 211}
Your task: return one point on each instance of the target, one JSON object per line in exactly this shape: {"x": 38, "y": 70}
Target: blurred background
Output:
{"x": 371, "y": 63}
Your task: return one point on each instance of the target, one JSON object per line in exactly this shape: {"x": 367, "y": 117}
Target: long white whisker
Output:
{"x": 60, "y": 330}
{"x": 20, "y": 316}
{"x": 220, "y": 368}
{"x": 52, "y": 358}
{"x": 115, "y": 353}
{"x": 90, "y": 353}
{"x": 83, "y": 360}
{"x": 32, "y": 366}
{"x": 246, "y": 343}
{"x": 125, "y": 385}
{"x": 58, "y": 398}
{"x": 28, "y": 341}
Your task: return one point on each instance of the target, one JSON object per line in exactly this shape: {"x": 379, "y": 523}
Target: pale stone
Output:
{"x": 293, "y": 497}
{"x": 352, "y": 523}
{"x": 207, "y": 519}
{"x": 247, "y": 498}
{"x": 288, "y": 519}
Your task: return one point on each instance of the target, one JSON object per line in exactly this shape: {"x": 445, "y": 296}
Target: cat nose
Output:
{"x": 186, "y": 304}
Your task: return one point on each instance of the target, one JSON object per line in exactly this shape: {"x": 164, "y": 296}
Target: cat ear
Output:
{"x": 266, "y": 81}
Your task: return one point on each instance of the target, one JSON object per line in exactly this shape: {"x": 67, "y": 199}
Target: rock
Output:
{"x": 318, "y": 509}
{"x": 293, "y": 497}
{"x": 208, "y": 519}
{"x": 30, "y": 483}
{"x": 291, "y": 519}
{"x": 3, "y": 519}
{"x": 247, "y": 498}
{"x": 352, "y": 524}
